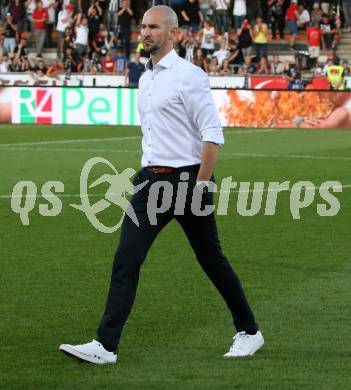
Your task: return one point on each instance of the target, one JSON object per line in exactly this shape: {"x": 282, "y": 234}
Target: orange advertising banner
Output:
{"x": 285, "y": 109}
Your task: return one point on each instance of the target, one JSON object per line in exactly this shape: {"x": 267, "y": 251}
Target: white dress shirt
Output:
{"x": 177, "y": 113}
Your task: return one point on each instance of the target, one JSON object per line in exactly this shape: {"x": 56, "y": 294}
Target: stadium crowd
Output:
{"x": 222, "y": 37}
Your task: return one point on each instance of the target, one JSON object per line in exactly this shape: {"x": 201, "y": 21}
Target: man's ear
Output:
{"x": 174, "y": 31}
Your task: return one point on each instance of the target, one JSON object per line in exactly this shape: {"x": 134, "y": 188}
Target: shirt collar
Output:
{"x": 165, "y": 62}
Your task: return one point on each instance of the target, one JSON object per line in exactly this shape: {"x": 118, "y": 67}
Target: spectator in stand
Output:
{"x": 207, "y": 36}
{"x": 86, "y": 64}
{"x": 314, "y": 39}
{"x": 276, "y": 66}
{"x": 70, "y": 62}
{"x": 109, "y": 64}
{"x": 1, "y": 45}
{"x": 21, "y": 50}
{"x": 221, "y": 54}
{"x": 292, "y": 71}
{"x": 263, "y": 67}
{"x": 55, "y": 69}
{"x": 346, "y": 7}
{"x": 39, "y": 74}
{"x": 4, "y": 9}
{"x": 4, "y": 63}
{"x": 82, "y": 35}
{"x": 221, "y": 7}
{"x": 103, "y": 5}
{"x": 329, "y": 33}
{"x": 18, "y": 12}
{"x": 206, "y": 8}
{"x": 335, "y": 75}
{"x": 213, "y": 67}
{"x": 245, "y": 37}
{"x": 125, "y": 14}
{"x": 112, "y": 17}
{"x": 121, "y": 61}
{"x": 95, "y": 63}
{"x": 347, "y": 69}
{"x": 304, "y": 18}
{"x": 191, "y": 15}
{"x": 30, "y": 6}
{"x": 296, "y": 83}
{"x": 316, "y": 14}
{"x": 40, "y": 17}
{"x": 247, "y": 68}
{"x": 26, "y": 65}
{"x": 260, "y": 38}
{"x": 64, "y": 20}
{"x": 140, "y": 49}
{"x": 103, "y": 41}
{"x": 50, "y": 6}
{"x": 199, "y": 60}
{"x": 177, "y": 6}
{"x": 14, "y": 65}
{"x": 80, "y": 6}
{"x": 134, "y": 71}
{"x": 292, "y": 15}
{"x": 94, "y": 20}
{"x": 139, "y": 7}
{"x": 40, "y": 68}
{"x": 225, "y": 70}
{"x": 189, "y": 45}
{"x": 239, "y": 13}
{"x": 235, "y": 57}
{"x": 182, "y": 37}
{"x": 9, "y": 31}
{"x": 68, "y": 40}
{"x": 325, "y": 5}
{"x": 277, "y": 17}
{"x": 330, "y": 62}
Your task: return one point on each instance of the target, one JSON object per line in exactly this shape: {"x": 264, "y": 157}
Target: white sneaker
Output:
{"x": 245, "y": 344}
{"x": 92, "y": 352}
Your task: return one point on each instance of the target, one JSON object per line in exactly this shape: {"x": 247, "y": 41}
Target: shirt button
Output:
{"x": 149, "y": 145}
{"x": 149, "y": 161}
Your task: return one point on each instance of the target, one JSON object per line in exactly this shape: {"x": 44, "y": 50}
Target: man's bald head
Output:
{"x": 167, "y": 15}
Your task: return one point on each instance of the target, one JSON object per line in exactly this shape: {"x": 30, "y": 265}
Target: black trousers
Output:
{"x": 135, "y": 243}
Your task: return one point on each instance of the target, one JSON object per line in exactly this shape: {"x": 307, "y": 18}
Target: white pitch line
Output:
{"x": 69, "y": 141}
{"x": 258, "y": 155}
{"x": 294, "y": 156}
{"x": 68, "y": 150}
{"x": 248, "y": 131}
{"x": 344, "y": 186}
{"x": 244, "y": 155}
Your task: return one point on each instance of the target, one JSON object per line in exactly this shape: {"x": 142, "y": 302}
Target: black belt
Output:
{"x": 164, "y": 170}
{"x": 160, "y": 169}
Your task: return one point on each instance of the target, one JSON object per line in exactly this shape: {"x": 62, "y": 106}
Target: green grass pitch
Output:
{"x": 55, "y": 272}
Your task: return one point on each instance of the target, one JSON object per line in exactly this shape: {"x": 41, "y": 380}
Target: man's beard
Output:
{"x": 152, "y": 49}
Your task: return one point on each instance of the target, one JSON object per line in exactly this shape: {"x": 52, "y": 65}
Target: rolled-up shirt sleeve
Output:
{"x": 196, "y": 96}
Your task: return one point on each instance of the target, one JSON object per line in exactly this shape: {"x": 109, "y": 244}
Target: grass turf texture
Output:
{"x": 55, "y": 273}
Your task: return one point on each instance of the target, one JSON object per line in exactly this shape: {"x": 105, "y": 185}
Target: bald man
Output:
{"x": 182, "y": 136}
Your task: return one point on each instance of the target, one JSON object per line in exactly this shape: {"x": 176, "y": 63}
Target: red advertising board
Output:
{"x": 270, "y": 82}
